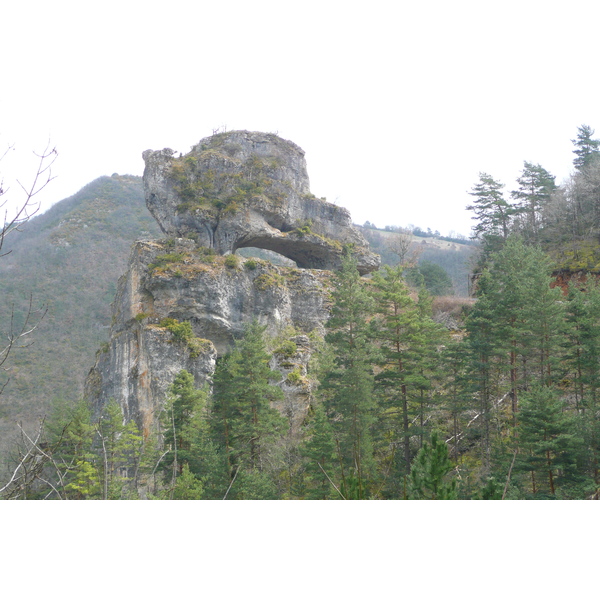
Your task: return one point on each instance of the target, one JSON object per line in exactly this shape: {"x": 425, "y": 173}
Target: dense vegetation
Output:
{"x": 564, "y": 220}
{"x": 67, "y": 260}
{"x": 503, "y": 407}
{"x": 404, "y": 408}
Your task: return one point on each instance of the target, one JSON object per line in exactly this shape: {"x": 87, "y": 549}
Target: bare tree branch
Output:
{"x": 27, "y": 208}
{"x": 331, "y": 482}
{"x": 23, "y": 460}
{"x": 17, "y": 336}
{"x": 236, "y": 474}
{"x": 35, "y": 457}
{"x": 401, "y": 244}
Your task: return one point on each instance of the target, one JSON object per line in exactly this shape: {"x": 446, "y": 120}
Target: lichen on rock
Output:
{"x": 182, "y": 311}
{"x": 249, "y": 189}
{"x": 185, "y": 299}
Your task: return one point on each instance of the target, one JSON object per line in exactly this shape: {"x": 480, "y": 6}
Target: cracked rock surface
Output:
{"x": 250, "y": 189}
{"x": 233, "y": 190}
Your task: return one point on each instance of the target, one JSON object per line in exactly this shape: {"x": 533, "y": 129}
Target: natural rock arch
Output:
{"x": 249, "y": 189}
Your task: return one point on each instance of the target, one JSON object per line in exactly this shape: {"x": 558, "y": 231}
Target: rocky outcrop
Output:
{"x": 171, "y": 282}
{"x": 184, "y": 300}
{"x": 248, "y": 189}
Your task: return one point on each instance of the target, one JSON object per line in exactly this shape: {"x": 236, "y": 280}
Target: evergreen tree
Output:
{"x": 84, "y": 482}
{"x": 185, "y": 405}
{"x": 397, "y": 329}
{"x": 536, "y": 186}
{"x": 483, "y": 355}
{"x": 429, "y": 474}
{"x": 587, "y": 149}
{"x": 549, "y": 444}
{"x": 322, "y": 469}
{"x": 243, "y": 421}
{"x": 584, "y": 357}
{"x": 70, "y": 434}
{"x": 348, "y": 386}
{"x": 408, "y": 368}
{"x": 119, "y": 450}
{"x": 492, "y": 213}
{"x": 187, "y": 486}
{"x": 516, "y": 333}
{"x": 431, "y": 337}
{"x": 522, "y": 316}
{"x": 456, "y": 392}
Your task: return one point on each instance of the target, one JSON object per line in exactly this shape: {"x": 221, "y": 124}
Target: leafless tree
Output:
{"x": 18, "y": 335}
{"x": 34, "y": 458}
{"x": 401, "y": 244}
{"x": 28, "y": 207}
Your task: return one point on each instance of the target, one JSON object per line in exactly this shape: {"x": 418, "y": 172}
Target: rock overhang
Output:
{"x": 240, "y": 189}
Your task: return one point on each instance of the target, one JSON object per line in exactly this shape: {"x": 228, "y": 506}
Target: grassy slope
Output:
{"x": 454, "y": 257}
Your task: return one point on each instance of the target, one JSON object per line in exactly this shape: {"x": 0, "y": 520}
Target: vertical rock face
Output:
{"x": 176, "y": 281}
{"x": 233, "y": 190}
{"x": 241, "y": 189}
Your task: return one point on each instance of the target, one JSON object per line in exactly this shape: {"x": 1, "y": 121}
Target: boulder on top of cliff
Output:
{"x": 249, "y": 189}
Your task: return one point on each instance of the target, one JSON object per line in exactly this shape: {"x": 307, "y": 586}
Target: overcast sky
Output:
{"x": 398, "y": 105}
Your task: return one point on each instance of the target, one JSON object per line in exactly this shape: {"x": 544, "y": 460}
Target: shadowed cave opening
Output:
{"x": 268, "y": 255}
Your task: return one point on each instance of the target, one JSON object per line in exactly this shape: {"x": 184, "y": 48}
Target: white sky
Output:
{"x": 398, "y": 105}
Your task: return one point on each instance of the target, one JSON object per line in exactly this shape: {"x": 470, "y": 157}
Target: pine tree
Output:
{"x": 587, "y": 149}
{"x": 456, "y": 392}
{"x": 243, "y": 421}
{"x": 492, "y": 213}
{"x": 516, "y": 333}
{"x": 548, "y": 441}
{"x": 430, "y": 472}
{"x": 408, "y": 368}
{"x": 322, "y": 469}
{"x": 348, "y": 387}
{"x": 397, "y": 328}
{"x": 70, "y": 434}
{"x": 536, "y": 186}
{"x": 429, "y": 376}
{"x": 584, "y": 357}
{"x": 483, "y": 351}
{"x": 522, "y": 317}
{"x": 119, "y": 449}
{"x": 185, "y": 405}
{"x": 187, "y": 486}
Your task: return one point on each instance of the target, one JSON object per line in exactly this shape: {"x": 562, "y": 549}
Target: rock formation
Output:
{"x": 185, "y": 299}
{"x": 248, "y": 189}
{"x": 174, "y": 281}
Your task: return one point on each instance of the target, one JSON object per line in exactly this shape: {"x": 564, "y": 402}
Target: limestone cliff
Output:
{"x": 231, "y": 191}
{"x": 176, "y": 281}
{"x": 241, "y": 189}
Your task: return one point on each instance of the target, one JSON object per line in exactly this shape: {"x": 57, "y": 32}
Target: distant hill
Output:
{"x": 453, "y": 255}
{"x": 68, "y": 259}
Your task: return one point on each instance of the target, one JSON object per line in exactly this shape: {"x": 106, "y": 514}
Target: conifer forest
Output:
{"x": 502, "y": 402}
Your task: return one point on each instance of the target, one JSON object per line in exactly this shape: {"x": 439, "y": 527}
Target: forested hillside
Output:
{"x": 404, "y": 407}
{"x": 564, "y": 220}
{"x": 68, "y": 261}
{"x": 501, "y": 402}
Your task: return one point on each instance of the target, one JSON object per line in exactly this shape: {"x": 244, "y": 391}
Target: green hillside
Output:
{"x": 69, "y": 260}
{"x": 452, "y": 255}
